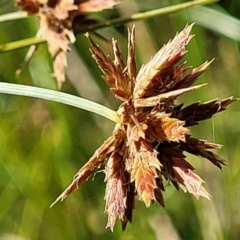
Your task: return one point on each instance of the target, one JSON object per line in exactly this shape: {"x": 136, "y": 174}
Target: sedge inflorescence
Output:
{"x": 57, "y": 19}
{"x": 148, "y": 143}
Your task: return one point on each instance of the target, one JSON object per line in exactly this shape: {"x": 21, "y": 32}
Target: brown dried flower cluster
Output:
{"x": 56, "y": 20}
{"x": 148, "y": 144}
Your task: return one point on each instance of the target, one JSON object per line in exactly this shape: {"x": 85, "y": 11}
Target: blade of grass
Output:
{"x": 13, "y": 16}
{"x": 135, "y": 17}
{"x": 215, "y": 20}
{"x": 29, "y": 91}
{"x": 20, "y": 44}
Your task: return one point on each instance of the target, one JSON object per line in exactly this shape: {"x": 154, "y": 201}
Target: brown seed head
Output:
{"x": 148, "y": 145}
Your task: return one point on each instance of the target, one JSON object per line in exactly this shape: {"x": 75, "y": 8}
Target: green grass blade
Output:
{"x": 29, "y": 91}
{"x": 20, "y": 44}
{"x": 217, "y": 21}
{"x": 13, "y": 16}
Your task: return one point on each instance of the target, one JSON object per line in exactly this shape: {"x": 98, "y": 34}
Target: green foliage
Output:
{"x": 43, "y": 144}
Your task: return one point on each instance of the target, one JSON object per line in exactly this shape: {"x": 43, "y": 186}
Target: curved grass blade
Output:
{"x": 68, "y": 99}
{"x": 215, "y": 20}
{"x": 13, "y": 16}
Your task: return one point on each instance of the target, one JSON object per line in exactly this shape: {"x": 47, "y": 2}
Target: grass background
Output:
{"x": 43, "y": 144}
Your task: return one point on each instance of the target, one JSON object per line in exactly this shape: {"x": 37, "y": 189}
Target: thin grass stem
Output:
{"x": 120, "y": 21}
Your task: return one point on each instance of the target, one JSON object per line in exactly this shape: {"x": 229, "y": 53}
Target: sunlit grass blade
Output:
{"x": 13, "y": 16}
{"x": 135, "y": 17}
{"x": 20, "y": 44}
{"x": 29, "y": 91}
{"x": 217, "y": 21}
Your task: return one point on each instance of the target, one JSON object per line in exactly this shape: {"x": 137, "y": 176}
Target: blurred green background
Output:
{"x": 43, "y": 144}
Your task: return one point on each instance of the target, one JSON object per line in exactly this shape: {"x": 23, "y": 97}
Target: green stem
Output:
{"x": 148, "y": 14}
{"x": 20, "y": 44}
{"x": 29, "y": 91}
{"x": 135, "y": 17}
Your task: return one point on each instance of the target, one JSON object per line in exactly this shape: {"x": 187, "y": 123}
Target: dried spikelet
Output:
{"x": 165, "y": 59}
{"x": 116, "y": 188}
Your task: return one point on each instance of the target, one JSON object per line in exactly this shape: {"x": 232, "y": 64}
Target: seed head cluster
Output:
{"x": 147, "y": 146}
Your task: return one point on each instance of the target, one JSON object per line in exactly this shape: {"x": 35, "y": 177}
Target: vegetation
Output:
{"x": 44, "y": 143}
